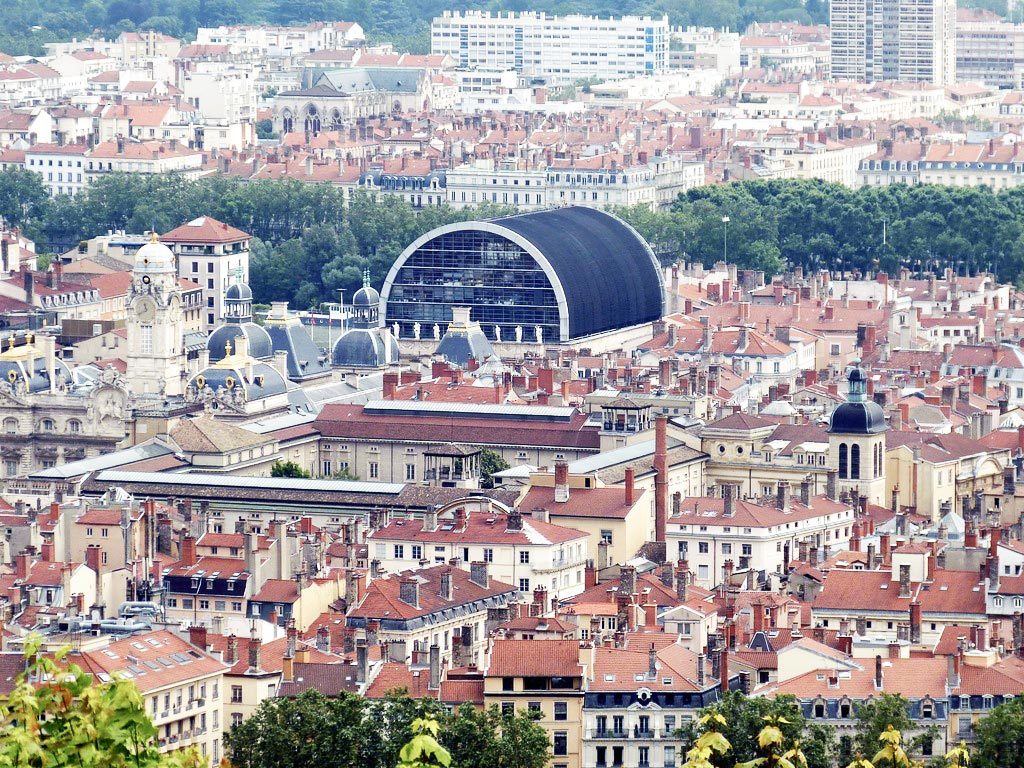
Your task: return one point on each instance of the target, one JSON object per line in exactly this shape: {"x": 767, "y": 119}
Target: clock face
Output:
{"x": 146, "y": 310}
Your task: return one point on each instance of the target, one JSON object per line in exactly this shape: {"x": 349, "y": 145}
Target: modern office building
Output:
{"x": 542, "y": 277}
{"x": 989, "y": 49}
{"x": 556, "y": 49}
{"x": 906, "y": 40}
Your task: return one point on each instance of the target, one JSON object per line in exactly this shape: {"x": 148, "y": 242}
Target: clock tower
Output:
{"x": 155, "y": 323}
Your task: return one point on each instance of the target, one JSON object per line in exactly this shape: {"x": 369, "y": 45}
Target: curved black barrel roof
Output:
{"x": 609, "y": 274}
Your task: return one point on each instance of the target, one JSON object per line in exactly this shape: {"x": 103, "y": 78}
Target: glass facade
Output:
{"x": 493, "y": 276}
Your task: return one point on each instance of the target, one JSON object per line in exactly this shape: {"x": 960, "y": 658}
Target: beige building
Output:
{"x": 550, "y": 677}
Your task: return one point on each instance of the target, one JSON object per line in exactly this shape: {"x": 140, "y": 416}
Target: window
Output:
{"x": 146, "y": 339}
{"x": 747, "y": 549}
{"x": 410, "y": 472}
{"x": 47, "y": 425}
{"x": 561, "y": 744}
{"x": 507, "y": 683}
{"x": 524, "y": 557}
{"x": 236, "y": 606}
{"x": 488, "y": 555}
{"x": 533, "y": 706}
{"x": 561, "y": 710}
{"x": 726, "y": 549}
{"x": 855, "y": 462}
{"x": 844, "y": 471}
{"x": 373, "y": 470}
{"x": 236, "y": 694}
{"x": 524, "y": 585}
{"x": 702, "y": 547}
{"x": 508, "y": 708}
{"x": 399, "y": 551}
{"x": 417, "y": 552}
{"x": 236, "y": 719}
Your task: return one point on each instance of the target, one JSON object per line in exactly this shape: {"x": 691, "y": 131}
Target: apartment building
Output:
{"x": 508, "y": 182}
{"x": 906, "y": 40}
{"x": 61, "y": 167}
{"x": 989, "y": 49}
{"x": 713, "y": 534}
{"x": 705, "y": 48}
{"x": 526, "y": 552}
{"x": 213, "y": 254}
{"x": 181, "y": 687}
{"x": 556, "y": 49}
{"x": 441, "y": 606}
{"x": 547, "y": 677}
{"x": 991, "y": 164}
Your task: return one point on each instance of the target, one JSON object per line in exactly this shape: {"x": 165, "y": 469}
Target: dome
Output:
{"x": 154, "y": 256}
{"x": 366, "y": 296}
{"x": 265, "y": 381}
{"x": 858, "y": 415}
{"x": 778, "y": 408}
{"x": 365, "y": 348}
{"x": 260, "y": 345}
{"x": 238, "y": 292}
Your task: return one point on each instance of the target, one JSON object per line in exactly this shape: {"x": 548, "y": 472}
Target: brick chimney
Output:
{"x": 630, "y": 488}
{"x": 197, "y": 636}
{"x": 254, "y": 652}
{"x": 915, "y": 622}
{"x": 682, "y": 581}
{"x": 878, "y": 673}
{"x": 728, "y": 500}
{"x": 188, "y": 550}
{"x": 660, "y": 476}
{"x": 782, "y": 495}
{"x": 22, "y": 564}
{"x": 46, "y": 551}
{"x": 446, "y": 585}
{"x": 904, "y": 581}
{"x": 561, "y": 482}
{"x": 231, "y": 652}
{"x": 479, "y": 574}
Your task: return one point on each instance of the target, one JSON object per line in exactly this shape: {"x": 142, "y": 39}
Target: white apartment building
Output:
{"x": 602, "y": 181}
{"x": 709, "y": 532}
{"x": 557, "y": 49}
{"x": 908, "y": 40}
{"x": 61, "y": 167}
{"x": 213, "y": 254}
{"x": 989, "y": 49}
{"x": 507, "y": 182}
{"x": 143, "y": 157}
{"x": 181, "y": 688}
{"x": 526, "y": 552}
{"x": 226, "y": 100}
{"x": 705, "y": 48}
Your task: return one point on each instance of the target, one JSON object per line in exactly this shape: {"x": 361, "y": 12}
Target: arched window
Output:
{"x": 75, "y": 426}
{"x": 844, "y": 471}
{"x": 46, "y": 425}
{"x": 10, "y": 426}
{"x": 855, "y": 462}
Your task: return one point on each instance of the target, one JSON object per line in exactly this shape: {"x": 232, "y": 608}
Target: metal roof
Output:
{"x": 243, "y": 481}
{"x": 96, "y": 463}
{"x": 609, "y": 274}
{"x": 607, "y": 459}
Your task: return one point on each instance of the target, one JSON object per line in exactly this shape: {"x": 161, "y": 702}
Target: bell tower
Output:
{"x": 856, "y": 442}
{"x": 155, "y": 323}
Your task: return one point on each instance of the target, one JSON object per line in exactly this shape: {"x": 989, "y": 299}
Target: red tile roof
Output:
{"x": 583, "y": 502}
{"x": 479, "y": 531}
{"x": 951, "y": 592}
{"x": 535, "y": 658}
{"x": 204, "y": 229}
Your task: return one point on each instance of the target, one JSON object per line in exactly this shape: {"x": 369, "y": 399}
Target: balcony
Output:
{"x": 605, "y": 733}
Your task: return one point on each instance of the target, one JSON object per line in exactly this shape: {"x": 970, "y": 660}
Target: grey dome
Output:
{"x": 260, "y": 345}
{"x": 265, "y": 381}
{"x": 858, "y": 415}
{"x": 366, "y": 296}
{"x": 238, "y": 292}
{"x": 365, "y": 348}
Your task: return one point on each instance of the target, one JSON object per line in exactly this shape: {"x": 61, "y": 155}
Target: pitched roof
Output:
{"x": 204, "y": 229}
{"x": 535, "y": 658}
{"x": 481, "y": 528}
{"x": 153, "y": 660}
{"x": 950, "y": 592}
{"x": 205, "y": 434}
{"x": 583, "y": 502}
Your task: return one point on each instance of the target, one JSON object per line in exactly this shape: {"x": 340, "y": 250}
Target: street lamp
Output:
{"x": 725, "y": 240}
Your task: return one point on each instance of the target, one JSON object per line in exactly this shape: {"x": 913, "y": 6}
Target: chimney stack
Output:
{"x": 878, "y": 672}
{"x": 904, "y": 580}
{"x": 561, "y": 482}
{"x": 409, "y": 591}
{"x": 660, "y": 477}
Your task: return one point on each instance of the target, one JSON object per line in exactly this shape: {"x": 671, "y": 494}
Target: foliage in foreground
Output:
{"x": 58, "y": 715}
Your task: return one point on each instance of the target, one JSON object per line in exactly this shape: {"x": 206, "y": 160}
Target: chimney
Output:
{"x": 446, "y": 585}
{"x": 362, "y": 661}
{"x": 667, "y": 575}
{"x": 630, "y": 489}
{"x": 652, "y": 662}
{"x": 661, "y": 476}
{"x": 323, "y": 639}
{"x": 915, "y": 622}
{"x": 46, "y": 551}
{"x": 197, "y": 636}
{"x": 728, "y": 500}
{"x": 885, "y": 549}
{"x": 627, "y": 580}
{"x": 878, "y": 673}
{"x": 561, "y": 482}
{"x": 254, "y": 652}
{"x": 805, "y": 491}
{"x": 952, "y": 671}
{"x": 723, "y": 665}
{"x": 904, "y": 580}
{"x": 478, "y": 574}
{"x": 409, "y": 591}
{"x": 682, "y": 582}
{"x": 701, "y": 663}
{"x": 435, "y": 668}
{"x": 782, "y": 495}
{"x": 830, "y": 485}
{"x": 188, "y": 550}
{"x": 894, "y": 649}
{"x": 861, "y": 625}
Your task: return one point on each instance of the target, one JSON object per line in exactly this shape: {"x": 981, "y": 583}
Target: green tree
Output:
{"x": 490, "y": 462}
{"x": 423, "y": 750}
{"x": 307, "y": 730}
{"x": 71, "y": 720}
{"x": 876, "y": 716}
{"x": 1000, "y": 736}
{"x": 486, "y": 738}
{"x": 287, "y": 469}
